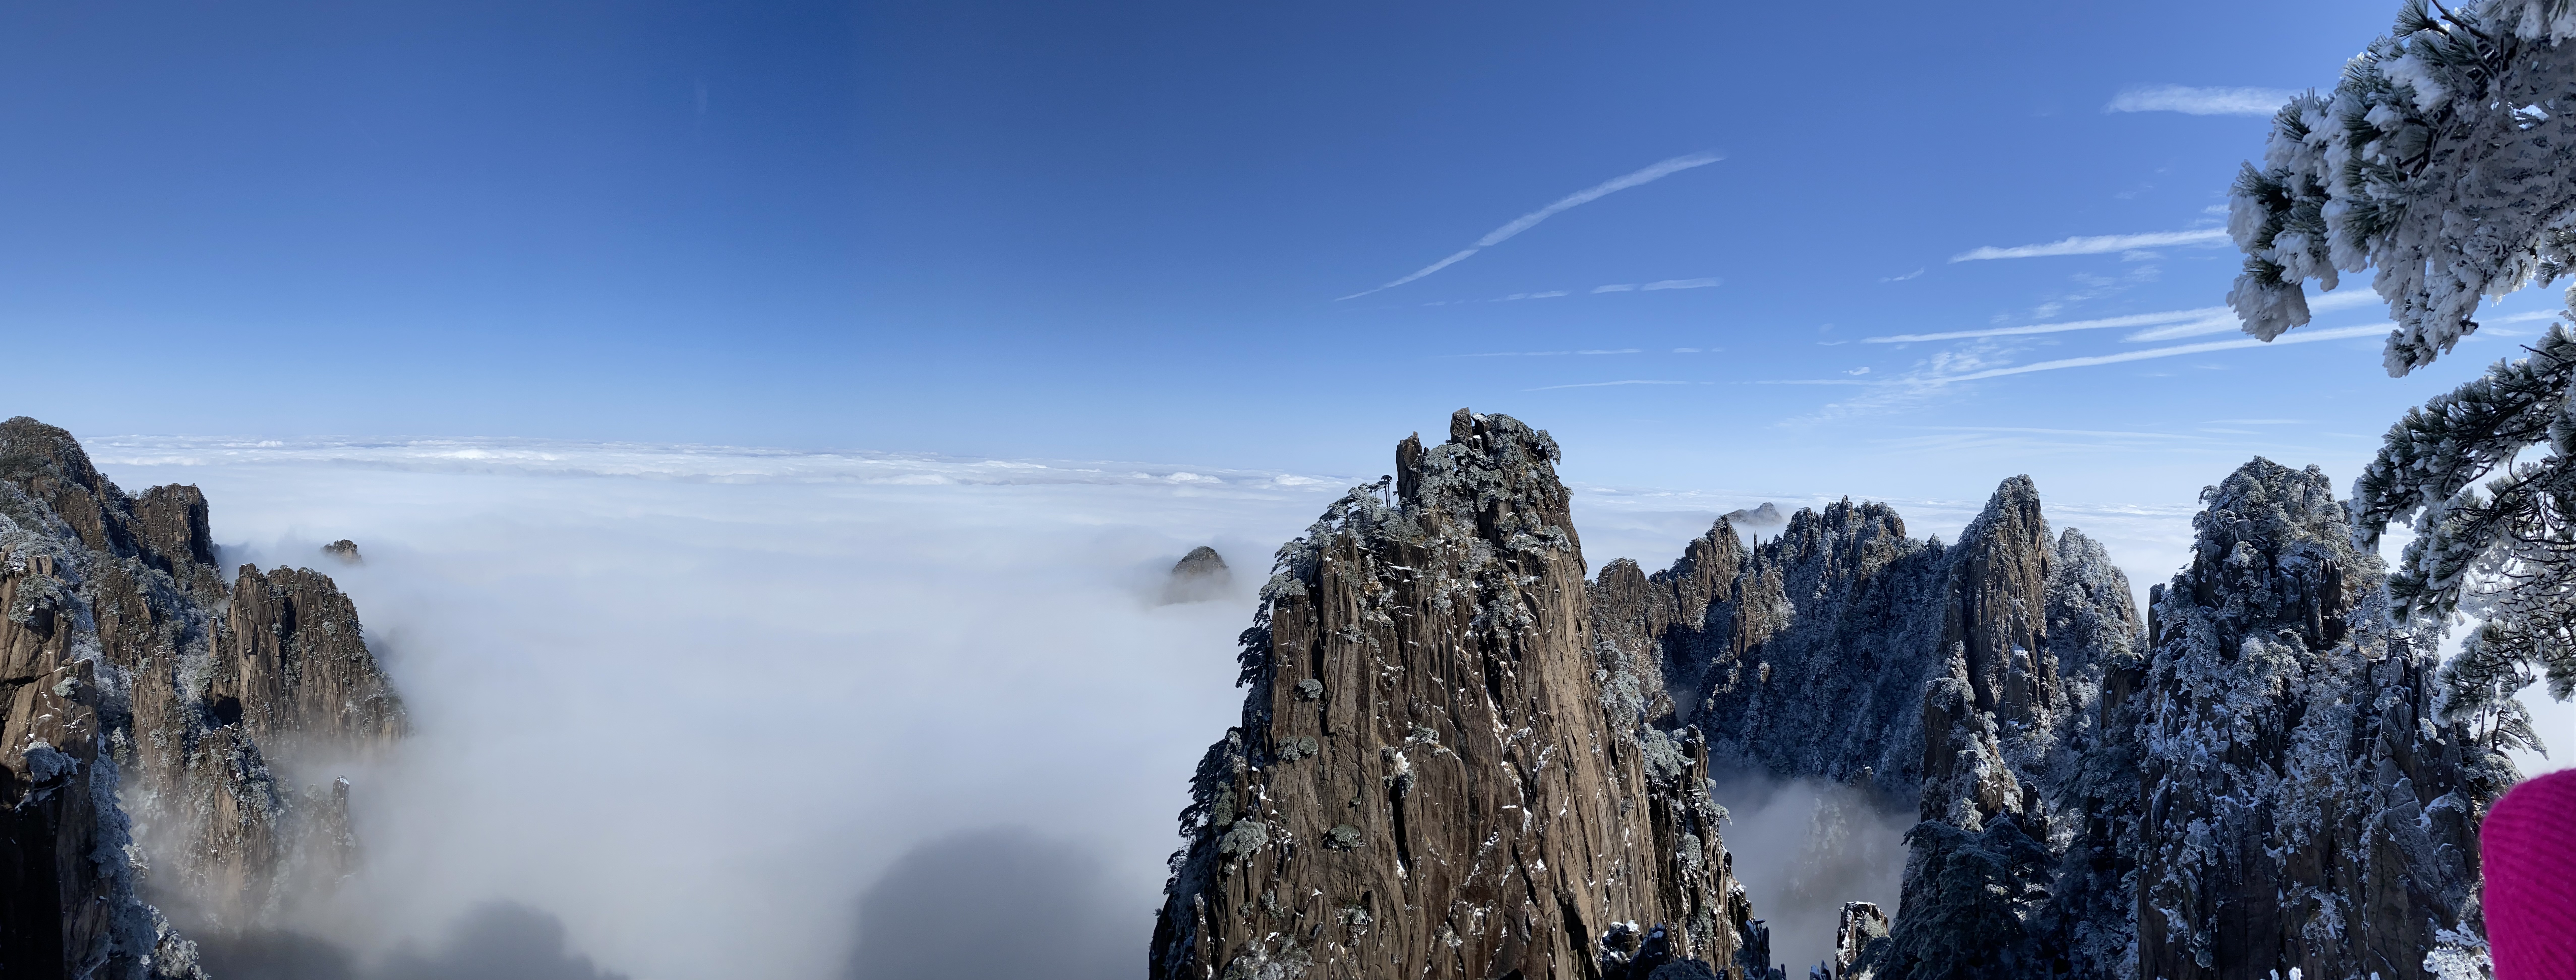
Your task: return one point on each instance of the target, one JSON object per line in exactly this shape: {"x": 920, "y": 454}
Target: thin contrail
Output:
{"x": 2096, "y": 245}
{"x": 1527, "y": 221}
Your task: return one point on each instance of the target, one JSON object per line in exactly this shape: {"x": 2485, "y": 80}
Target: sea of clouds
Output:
{"x": 700, "y": 712}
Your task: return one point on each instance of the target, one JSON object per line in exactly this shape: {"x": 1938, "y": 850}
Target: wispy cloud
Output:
{"x": 2199, "y": 101}
{"x": 2052, "y": 432}
{"x": 1579, "y": 198}
{"x": 1901, "y": 278}
{"x": 2155, "y": 352}
{"x": 2095, "y": 245}
{"x": 2132, "y": 320}
{"x": 2525, "y": 317}
{"x": 1983, "y": 358}
{"x": 1550, "y": 353}
{"x": 1627, "y": 287}
{"x": 2168, "y": 325}
{"x": 1607, "y": 384}
{"x": 1903, "y": 392}
{"x": 2225, "y": 319}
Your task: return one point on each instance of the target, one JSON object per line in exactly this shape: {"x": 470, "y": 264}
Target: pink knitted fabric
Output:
{"x": 2528, "y": 848}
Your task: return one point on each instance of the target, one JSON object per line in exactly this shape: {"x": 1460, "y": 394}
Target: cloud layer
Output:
{"x": 693, "y": 700}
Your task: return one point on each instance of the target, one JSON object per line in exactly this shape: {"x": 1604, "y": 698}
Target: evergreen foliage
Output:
{"x": 2445, "y": 159}
{"x": 2504, "y": 551}
{"x": 2438, "y": 161}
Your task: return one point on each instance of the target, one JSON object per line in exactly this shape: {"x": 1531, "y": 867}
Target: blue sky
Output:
{"x": 1127, "y": 231}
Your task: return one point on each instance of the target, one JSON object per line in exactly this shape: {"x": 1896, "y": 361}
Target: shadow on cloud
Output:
{"x": 490, "y": 942}
{"x": 941, "y": 910}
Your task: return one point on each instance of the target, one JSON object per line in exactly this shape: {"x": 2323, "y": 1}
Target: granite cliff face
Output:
{"x": 2254, "y": 780}
{"x": 142, "y": 699}
{"x": 1439, "y": 773}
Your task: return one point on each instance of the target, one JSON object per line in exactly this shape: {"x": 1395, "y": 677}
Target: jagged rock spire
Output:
{"x": 1437, "y": 775}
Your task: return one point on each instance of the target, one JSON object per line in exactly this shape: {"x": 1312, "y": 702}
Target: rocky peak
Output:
{"x": 1201, "y": 562}
{"x": 173, "y": 530}
{"x": 1958, "y": 681}
{"x": 300, "y": 668}
{"x": 2303, "y": 802}
{"x": 1653, "y": 620}
{"x": 1199, "y": 575}
{"x": 2274, "y": 550}
{"x": 135, "y": 694}
{"x": 1804, "y": 655}
{"x": 1998, "y": 602}
{"x": 2257, "y": 784}
{"x": 46, "y": 464}
{"x": 1437, "y": 775}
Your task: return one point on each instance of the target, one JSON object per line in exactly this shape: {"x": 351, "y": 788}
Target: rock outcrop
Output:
{"x": 1440, "y": 772}
{"x": 138, "y": 695}
{"x": 1960, "y": 682}
{"x": 2303, "y": 803}
{"x": 2260, "y": 784}
{"x": 2256, "y": 781}
{"x": 1812, "y": 654}
{"x": 1198, "y": 576}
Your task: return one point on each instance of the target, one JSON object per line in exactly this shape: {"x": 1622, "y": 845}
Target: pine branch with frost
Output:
{"x": 2444, "y": 158}
{"x": 2504, "y": 549}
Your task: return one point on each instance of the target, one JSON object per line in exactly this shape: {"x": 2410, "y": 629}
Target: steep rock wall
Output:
{"x": 128, "y": 774}
{"x": 1439, "y": 773}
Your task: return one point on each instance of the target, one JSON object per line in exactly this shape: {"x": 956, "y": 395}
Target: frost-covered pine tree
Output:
{"x": 2445, "y": 159}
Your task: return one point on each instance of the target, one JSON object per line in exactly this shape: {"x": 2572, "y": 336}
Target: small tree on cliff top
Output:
{"x": 2445, "y": 159}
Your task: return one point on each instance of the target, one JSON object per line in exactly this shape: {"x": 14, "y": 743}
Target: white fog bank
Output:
{"x": 696, "y": 720}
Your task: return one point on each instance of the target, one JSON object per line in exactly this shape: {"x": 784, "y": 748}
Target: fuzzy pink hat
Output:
{"x": 2528, "y": 849}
